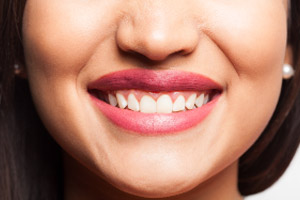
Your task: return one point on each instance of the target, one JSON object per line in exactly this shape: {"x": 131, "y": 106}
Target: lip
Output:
{"x": 154, "y": 81}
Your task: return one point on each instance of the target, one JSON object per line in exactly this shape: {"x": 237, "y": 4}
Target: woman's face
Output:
{"x": 81, "y": 53}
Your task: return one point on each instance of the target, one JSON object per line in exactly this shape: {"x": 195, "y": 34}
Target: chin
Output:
{"x": 156, "y": 186}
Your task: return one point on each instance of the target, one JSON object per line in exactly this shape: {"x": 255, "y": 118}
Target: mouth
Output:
{"x": 155, "y": 102}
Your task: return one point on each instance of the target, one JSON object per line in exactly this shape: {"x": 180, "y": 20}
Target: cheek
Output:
{"x": 59, "y": 37}
{"x": 59, "y": 40}
{"x": 253, "y": 38}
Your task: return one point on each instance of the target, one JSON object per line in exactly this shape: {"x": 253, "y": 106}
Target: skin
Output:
{"x": 239, "y": 44}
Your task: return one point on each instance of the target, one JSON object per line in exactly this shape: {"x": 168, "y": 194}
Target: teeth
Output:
{"x": 189, "y": 104}
{"x": 133, "y": 103}
{"x": 206, "y": 98}
{"x": 179, "y": 104}
{"x": 147, "y": 104}
{"x": 121, "y": 101}
{"x": 112, "y": 100}
{"x": 200, "y": 100}
{"x": 164, "y": 104}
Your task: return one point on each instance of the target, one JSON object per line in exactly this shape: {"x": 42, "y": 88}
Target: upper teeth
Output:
{"x": 163, "y": 103}
{"x": 148, "y": 104}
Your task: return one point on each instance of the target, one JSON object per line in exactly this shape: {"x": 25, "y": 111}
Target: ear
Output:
{"x": 288, "y": 59}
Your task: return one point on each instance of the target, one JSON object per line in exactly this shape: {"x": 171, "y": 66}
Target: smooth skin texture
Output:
{"x": 239, "y": 44}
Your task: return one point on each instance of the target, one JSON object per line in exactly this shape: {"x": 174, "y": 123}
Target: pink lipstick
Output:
{"x": 159, "y": 82}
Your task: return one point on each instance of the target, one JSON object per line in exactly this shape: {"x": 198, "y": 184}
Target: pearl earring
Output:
{"x": 287, "y": 71}
{"x": 17, "y": 69}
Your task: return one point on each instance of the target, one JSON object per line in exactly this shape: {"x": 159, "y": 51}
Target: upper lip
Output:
{"x": 154, "y": 81}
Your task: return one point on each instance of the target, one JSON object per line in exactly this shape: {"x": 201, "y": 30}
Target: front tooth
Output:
{"x": 191, "y": 101}
{"x": 164, "y": 104}
{"x": 112, "y": 100}
{"x": 121, "y": 100}
{"x": 133, "y": 103}
{"x": 147, "y": 104}
{"x": 200, "y": 100}
{"x": 206, "y": 98}
{"x": 179, "y": 104}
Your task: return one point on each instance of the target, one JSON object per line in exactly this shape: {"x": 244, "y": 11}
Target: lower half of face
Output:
{"x": 155, "y": 96}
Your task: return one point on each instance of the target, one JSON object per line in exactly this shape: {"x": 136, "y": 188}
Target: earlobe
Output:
{"x": 288, "y": 70}
{"x": 288, "y": 59}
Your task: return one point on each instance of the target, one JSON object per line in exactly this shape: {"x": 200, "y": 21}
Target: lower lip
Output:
{"x": 154, "y": 124}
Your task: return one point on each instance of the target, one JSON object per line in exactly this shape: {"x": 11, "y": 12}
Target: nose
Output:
{"x": 157, "y": 30}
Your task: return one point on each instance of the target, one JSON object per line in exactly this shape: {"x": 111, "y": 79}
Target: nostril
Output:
{"x": 133, "y": 55}
{"x": 181, "y": 52}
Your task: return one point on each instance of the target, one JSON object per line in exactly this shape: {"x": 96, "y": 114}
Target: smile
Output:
{"x": 154, "y": 102}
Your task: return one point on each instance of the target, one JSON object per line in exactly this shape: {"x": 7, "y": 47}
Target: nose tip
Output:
{"x": 157, "y": 38}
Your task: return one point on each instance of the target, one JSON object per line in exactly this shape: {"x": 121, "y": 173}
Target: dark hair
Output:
{"x": 31, "y": 163}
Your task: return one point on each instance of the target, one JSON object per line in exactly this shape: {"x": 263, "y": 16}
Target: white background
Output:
{"x": 288, "y": 186}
